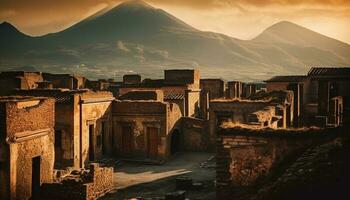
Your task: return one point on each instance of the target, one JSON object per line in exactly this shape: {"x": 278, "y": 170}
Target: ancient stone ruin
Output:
{"x": 61, "y": 134}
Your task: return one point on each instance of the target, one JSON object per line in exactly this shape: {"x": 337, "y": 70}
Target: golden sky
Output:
{"x": 243, "y": 19}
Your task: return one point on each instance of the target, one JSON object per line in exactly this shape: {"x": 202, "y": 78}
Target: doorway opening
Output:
{"x": 58, "y": 149}
{"x": 103, "y": 137}
{"x": 175, "y": 142}
{"x": 91, "y": 143}
{"x": 36, "y": 162}
{"x": 127, "y": 139}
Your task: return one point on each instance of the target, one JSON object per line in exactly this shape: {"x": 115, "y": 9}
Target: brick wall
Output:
{"x": 245, "y": 158}
{"x": 91, "y": 185}
{"x": 215, "y": 87}
{"x": 196, "y": 135}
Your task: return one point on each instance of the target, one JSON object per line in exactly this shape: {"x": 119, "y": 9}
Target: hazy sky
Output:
{"x": 243, "y": 19}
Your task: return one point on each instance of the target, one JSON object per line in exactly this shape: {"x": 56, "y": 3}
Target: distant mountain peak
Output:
{"x": 8, "y": 30}
{"x": 285, "y": 22}
{"x": 285, "y": 26}
{"x": 7, "y": 25}
{"x": 289, "y": 32}
{"x": 135, "y": 4}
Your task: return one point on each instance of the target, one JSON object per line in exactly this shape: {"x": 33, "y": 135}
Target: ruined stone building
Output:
{"x": 274, "y": 110}
{"x": 18, "y": 80}
{"x": 145, "y": 126}
{"x": 64, "y": 125}
{"x": 178, "y": 86}
{"x": 88, "y": 183}
{"x": 26, "y": 145}
{"x": 68, "y": 81}
{"x": 320, "y": 97}
{"x": 83, "y": 125}
{"x": 100, "y": 84}
{"x": 234, "y": 90}
{"x": 215, "y": 87}
{"x": 251, "y": 163}
{"x": 295, "y": 84}
{"x": 85, "y": 129}
{"x": 12, "y": 80}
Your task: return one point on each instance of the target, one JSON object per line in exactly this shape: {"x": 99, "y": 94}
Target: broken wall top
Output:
{"x": 155, "y": 95}
{"x": 250, "y": 130}
{"x": 139, "y": 107}
{"x": 181, "y": 76}
{"x": 287, "y": 79}
{"x": 132, "y": 79}
{"x": 28, "y": 114}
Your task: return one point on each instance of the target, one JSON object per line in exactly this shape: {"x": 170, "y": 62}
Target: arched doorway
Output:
{"x": 175, "y": 142}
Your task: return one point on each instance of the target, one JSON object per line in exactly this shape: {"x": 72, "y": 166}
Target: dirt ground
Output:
{"x": 133, "y": 180}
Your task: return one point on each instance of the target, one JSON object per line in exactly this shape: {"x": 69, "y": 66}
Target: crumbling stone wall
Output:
{"x": 167, "y": 89}
{"x": 234, "y": 89}
{"x": 237, "y": 111}
{"x": 139, "y": 116}
{"x": 4, "y": 165}
{"x": 215, "y": 87}
{"x": 132, "y": 79}
{"x": 18, "y": 80}
{"x": 84, "y": 185}
{"x": 68, "y": 81}
{"x": 96, "y": 113}
{"x": 29, "y": 134}
{"x": 182, "y": 76}
{"x": 196, "y": 135}
{"x": 192, "y": 103}
{"x": 246, "y": 157}
{"x": 76, "y": 110}
{"x": 65, "y": 155}
{"x": 275, "y": 86}
{"x": 156, "y": 95}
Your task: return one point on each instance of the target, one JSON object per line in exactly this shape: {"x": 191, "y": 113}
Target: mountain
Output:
{"x": 135, "y": 36}
{"x": 286, "y": 34}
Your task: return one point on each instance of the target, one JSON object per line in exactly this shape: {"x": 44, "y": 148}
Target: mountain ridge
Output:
{"x": 136, "y": 36}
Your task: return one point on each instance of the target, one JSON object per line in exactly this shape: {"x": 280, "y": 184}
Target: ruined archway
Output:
{"x": 175, "y": 142}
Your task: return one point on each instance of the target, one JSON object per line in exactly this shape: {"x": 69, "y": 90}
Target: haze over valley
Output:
{"x": 135, "y": 37}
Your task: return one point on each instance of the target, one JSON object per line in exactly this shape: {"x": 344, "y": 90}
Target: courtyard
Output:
{"x": 137, "y": 179}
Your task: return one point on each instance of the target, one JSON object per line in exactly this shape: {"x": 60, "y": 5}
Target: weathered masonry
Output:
{"x": 274, "y": 110}
{"x": 178, "y": 86}
{"x": 83, "y": 127}
{"x": 247, "y": 157}
{"x": 90, "y": 183}
{"x": 321, "y": 97}
{"x": 12, "y": 80}
{"x": 145, "y": 127}
{"x": 215, "y": 87}
{"x": 26, "y": 146}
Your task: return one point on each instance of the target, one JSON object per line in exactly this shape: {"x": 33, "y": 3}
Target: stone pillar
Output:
{"x": 323, "y": 97}
{"x": 223, "y": 186}
{"x": 187, "y": 107}
{"x": 332, "y": 112}
{"x": 297, "y": 92}
{"x": 234, "y": 89}
{"x": 204, "y": 104}
{"x": 281, "y": 111}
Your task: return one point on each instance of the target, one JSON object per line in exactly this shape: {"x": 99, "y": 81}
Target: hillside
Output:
{"x": 135, "y": 36}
